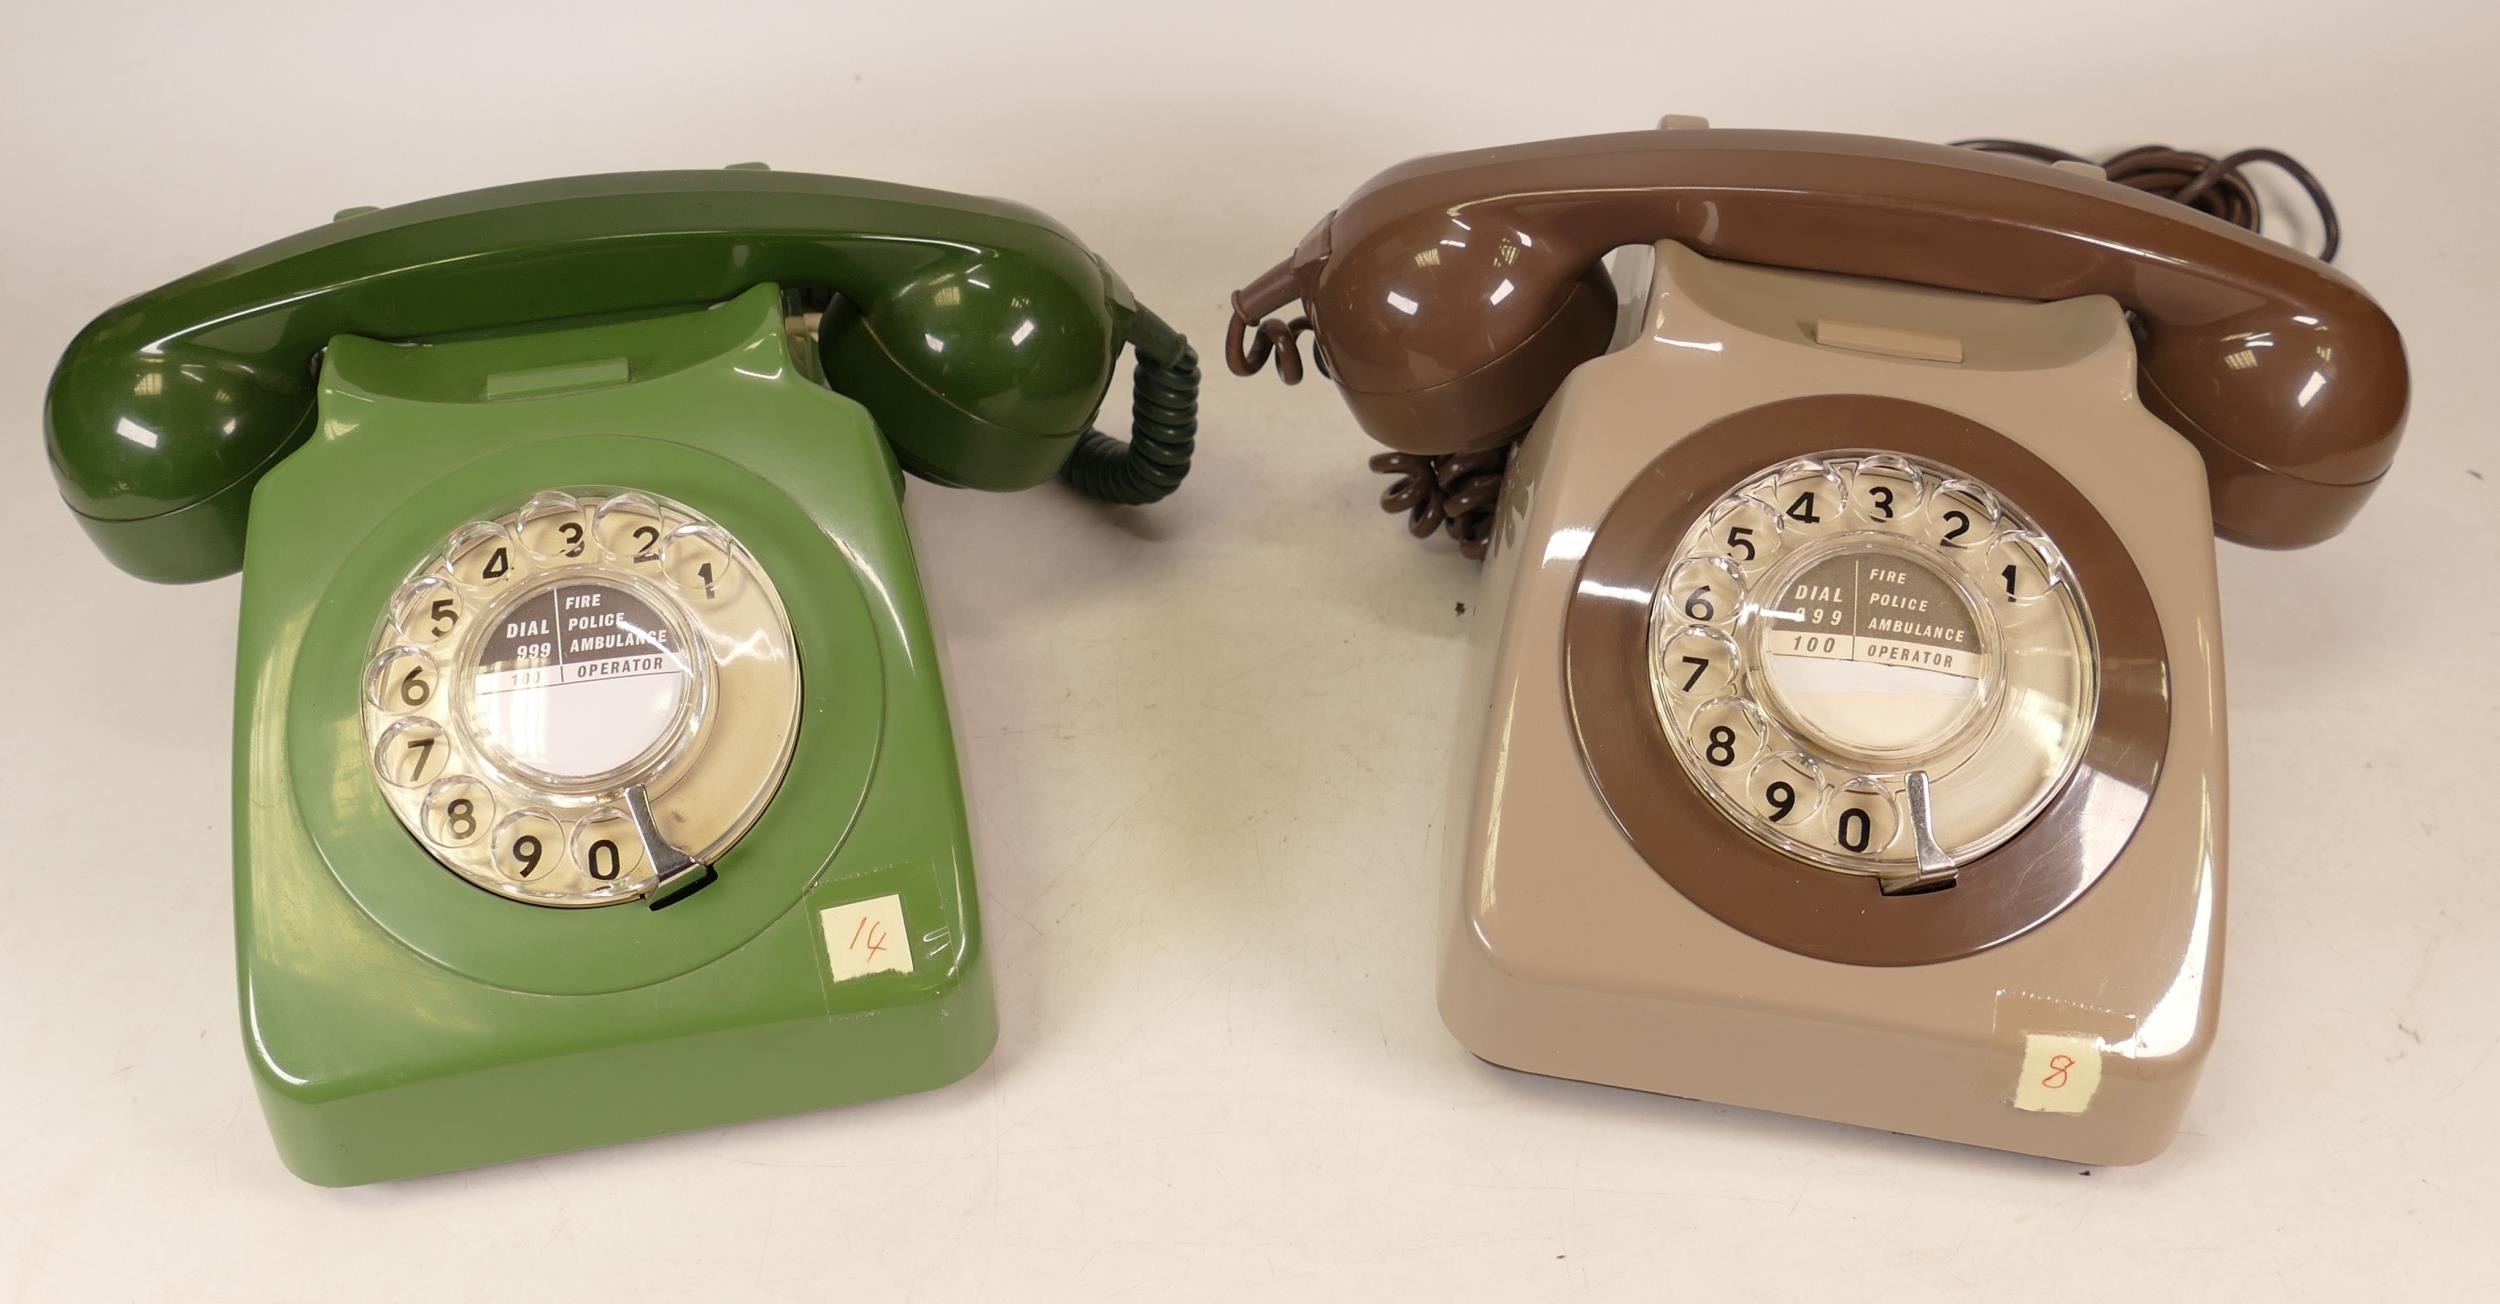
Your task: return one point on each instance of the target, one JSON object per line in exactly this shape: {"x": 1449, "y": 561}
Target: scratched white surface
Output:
{"x": 1204, "y": 744}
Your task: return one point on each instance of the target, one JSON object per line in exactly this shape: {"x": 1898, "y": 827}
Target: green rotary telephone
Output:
{"x": 593, "y": 776}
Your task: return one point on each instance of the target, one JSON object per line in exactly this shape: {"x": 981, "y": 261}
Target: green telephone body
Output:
{"x": 764, "y": 351}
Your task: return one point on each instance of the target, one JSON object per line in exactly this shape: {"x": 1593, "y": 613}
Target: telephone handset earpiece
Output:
{"x": 1451, "y": 295}
{"x": 979, "y": 333}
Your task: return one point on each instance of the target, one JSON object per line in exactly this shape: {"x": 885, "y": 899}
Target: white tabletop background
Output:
{"x": 1204, "y": 744}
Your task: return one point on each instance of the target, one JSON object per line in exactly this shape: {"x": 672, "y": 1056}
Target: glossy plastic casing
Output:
{"x": 1568, "y": 949}
{"x": 402, "y": 1021}
{"x": 978, "y": 333}
{"x": 1452, "y": 294}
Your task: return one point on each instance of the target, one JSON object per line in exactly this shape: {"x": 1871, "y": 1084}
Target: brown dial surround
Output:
{"x": 1787, "y": 903}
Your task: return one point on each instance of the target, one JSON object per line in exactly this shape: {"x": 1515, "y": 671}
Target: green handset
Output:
{"x": 576, "y": 580}
{"x": 979, "y": 333}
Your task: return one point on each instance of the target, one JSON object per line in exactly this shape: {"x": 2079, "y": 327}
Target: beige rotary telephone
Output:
{"x": 1847, "y": 737}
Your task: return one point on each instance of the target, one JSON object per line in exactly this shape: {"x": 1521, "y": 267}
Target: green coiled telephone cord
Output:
{"x": 1163, "y": 424}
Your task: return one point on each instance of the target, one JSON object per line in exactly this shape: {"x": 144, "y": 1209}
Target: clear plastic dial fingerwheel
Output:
{"x": 1872, "y": 663}
{"x": 567, "y": 703}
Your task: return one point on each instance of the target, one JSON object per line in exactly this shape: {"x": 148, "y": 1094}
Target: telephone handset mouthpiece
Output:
{"x": 1449, "y": 296}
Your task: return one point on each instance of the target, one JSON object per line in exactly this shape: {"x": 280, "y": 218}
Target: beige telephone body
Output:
{"x": 2044, "y": 1019}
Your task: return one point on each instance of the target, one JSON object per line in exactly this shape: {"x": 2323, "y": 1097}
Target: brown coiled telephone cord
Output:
{"x": 1455, "y": 493}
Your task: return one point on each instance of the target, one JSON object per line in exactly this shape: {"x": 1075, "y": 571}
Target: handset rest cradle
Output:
{"x": 1450, "y": 295}
{"x": 979, "y": 333}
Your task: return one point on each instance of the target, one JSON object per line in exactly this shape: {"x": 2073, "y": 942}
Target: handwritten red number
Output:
{"x": 2059, "y": 1067}
{"x": 873, "y": 932}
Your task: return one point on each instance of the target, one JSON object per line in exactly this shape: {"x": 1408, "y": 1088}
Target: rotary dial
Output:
{"x": 584, "y": 701}
{"x": 1873, "y": 664}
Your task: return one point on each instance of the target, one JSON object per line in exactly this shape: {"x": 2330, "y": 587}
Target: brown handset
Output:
{"x": 1846, "y": 674}
{"x": 1450, "y": 295}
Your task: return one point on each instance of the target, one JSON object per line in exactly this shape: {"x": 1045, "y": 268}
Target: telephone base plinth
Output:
{"x": 1629, "y": 933}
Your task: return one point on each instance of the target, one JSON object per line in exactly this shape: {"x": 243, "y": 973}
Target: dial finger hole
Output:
{"x": 554, "y": 528}
{"x": 629, "y": 529}
{"x": 1885, "y": 491}
{"x": 1744, "y": 533}
{"x": 529, "y": 846}
{"x": 412, "y": 753}
{"x": 457, "y": 811}
{"x": 1961, "y": 514}
{"x": 484, "y": 557}
{"x": 1809, "y": 499}
{"x": 1785, "y": 789}
{"x": 2023, "y": 567}
{"x": 698, "y": 561}
{"x": 1705, "y": 591}
{"x": 606, "y": 849}
{"x": 401, "y": 680}
{"x": 427, "y": 611}
{"x": 1863, "y": 818}
{"x": 1727, "y": 735}
{"x": 1698, "y": 663}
